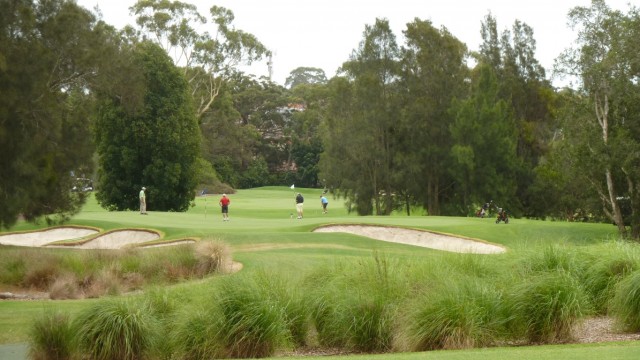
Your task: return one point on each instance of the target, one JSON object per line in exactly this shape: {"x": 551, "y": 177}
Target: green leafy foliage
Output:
{"x": 155, "y": 145}
{"x": 50, "y": 52}
{"x": 483, "y": 154}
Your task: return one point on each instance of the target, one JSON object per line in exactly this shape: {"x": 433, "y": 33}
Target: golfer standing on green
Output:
{"x": 299, "y": 205}
{"x": 143, "y": 202}
{"x": 324, "y": 202}
{"x": 224, "y": 205}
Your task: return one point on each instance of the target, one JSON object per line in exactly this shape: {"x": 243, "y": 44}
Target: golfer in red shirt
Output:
{"x": 224, "y": 204}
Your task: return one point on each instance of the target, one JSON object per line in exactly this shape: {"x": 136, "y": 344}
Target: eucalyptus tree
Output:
{"x": 433, "y": 73}
{"x": 306, "y": 137}
{"x": 248, "y": 132}
{"x": 207, "y": 51}
{"x": 230, "y": 143}
{"x": 263, "y": 105}
{"x": 484, "y": 146}
{"x": 523, "y": 84}
{"x": 605, "y": 60}
{"x": 305, "y": 75}
{"x": 50, "y": 52}
{"x": 363, "y": 169}
{"x": 153, "y": 141}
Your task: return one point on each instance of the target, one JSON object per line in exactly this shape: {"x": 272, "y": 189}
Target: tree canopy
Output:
{"x": 401, "y": 127}
{"x": 155, "y": 144}
{"x": 49, "y": 53}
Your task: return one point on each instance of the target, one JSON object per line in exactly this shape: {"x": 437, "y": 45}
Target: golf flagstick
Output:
{"x": 292, "y": 187}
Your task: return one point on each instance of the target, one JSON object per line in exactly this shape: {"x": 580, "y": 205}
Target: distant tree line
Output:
{"x": 404, "y": 126}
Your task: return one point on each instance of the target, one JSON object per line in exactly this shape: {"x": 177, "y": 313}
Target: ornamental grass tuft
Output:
{"x": 625, "y": 305}
{"x": 52, "y": 337}
{"x": 252, "y": 321}
{"x": 467, "y": 314}
{"x": 357, "y": 304}
{"x": 545, "y": 308}
{"x": 609, "y": 264}
{"x": 116, "y": 330}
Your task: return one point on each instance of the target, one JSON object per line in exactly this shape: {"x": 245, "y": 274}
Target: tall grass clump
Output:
{"x": 70, "y": 274}
{"x": 252, "y": 321}
{"x": 287, "y": 294}
{"x": 66, "y": 287}
{"x": 608, "y": 265}
{"x": 212, "y": 256}
{"x": 552, "y": 258}
{"x": 164, "y": 307}
{"x": 626, "y": 302}
{"x": 158, "y": 266}
{"x": 474, "y": 265}
{"x": 13, "y": 267}
{"x": 357, "y": 304}
{"x": 545, "y": 308}
{"x": 115, "y": 330}
{"x": 466, "y": 314}
{"x": 197, "y": 335}
{"x": 52, "y": 337}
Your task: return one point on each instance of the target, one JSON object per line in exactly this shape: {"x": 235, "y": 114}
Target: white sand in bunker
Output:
{"x": 119, "y": 239}
{"x": 417, "y": 238}
{"x": 40, "y": 238}
{"x": 111, "y": 240}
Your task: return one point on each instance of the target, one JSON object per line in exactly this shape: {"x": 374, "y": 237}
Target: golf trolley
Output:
{"x": 502, "y": 216}
{"x": 485, "y": 209}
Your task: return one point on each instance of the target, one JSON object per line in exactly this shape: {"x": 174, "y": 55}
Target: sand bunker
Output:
{"x": 417, "y": 238}
{"x": 119, "y": 239}
{"x": 41, "y": 238}
{"x": 111, "y": 240}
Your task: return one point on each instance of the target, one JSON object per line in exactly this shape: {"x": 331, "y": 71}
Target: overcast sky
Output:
{"x": 323, "y": 33}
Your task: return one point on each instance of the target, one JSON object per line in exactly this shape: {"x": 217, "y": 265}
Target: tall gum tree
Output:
{"x": 522, "y": 84}
{"x": 483, "y": 147}
{"x": 370, "y": 130}
{"x": 433, "y": 74}
{"x": 605, "y": 63}
{"x": 208, "y": 52}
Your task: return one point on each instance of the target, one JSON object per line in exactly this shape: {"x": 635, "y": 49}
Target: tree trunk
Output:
{"x": 615, "y": 207}
{"x": 634, "y": 198}
{"x": 602, "y": 115}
